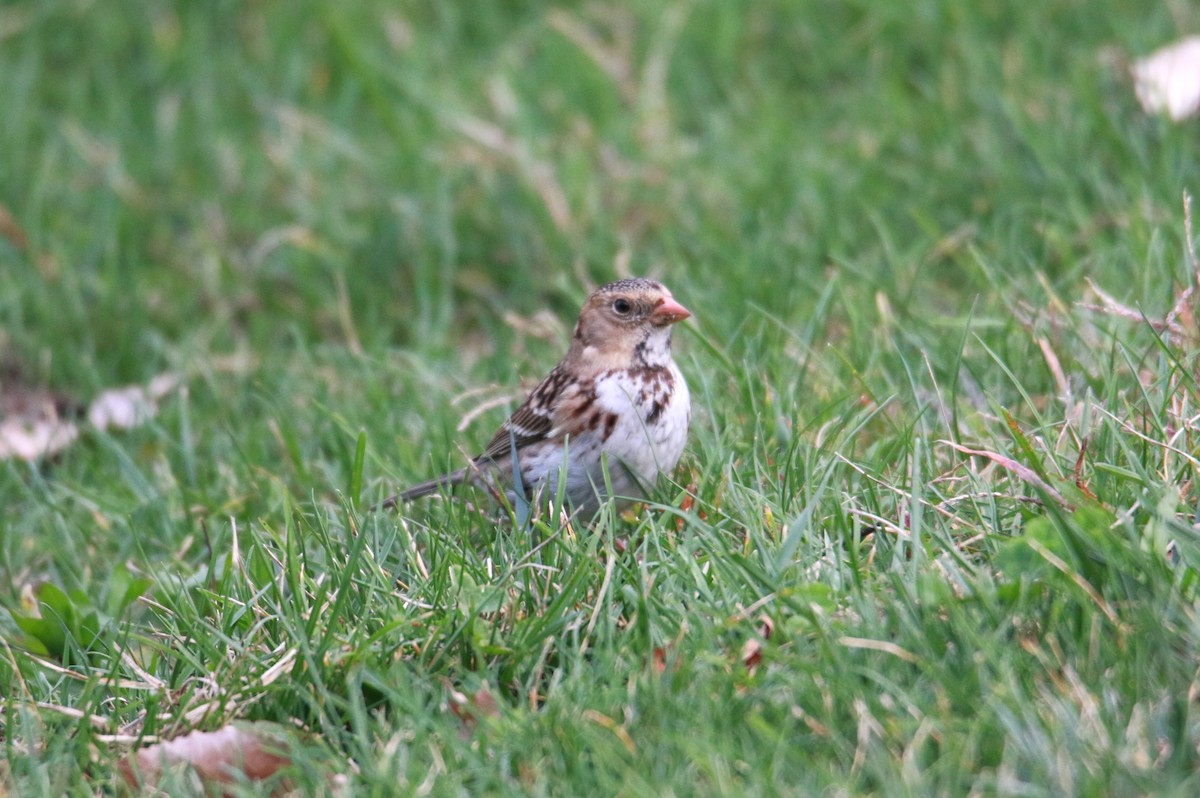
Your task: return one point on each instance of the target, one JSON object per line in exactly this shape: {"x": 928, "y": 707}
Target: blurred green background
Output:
{"x": 217, "y": 175}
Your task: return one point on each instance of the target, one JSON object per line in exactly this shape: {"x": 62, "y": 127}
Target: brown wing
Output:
{"x": 533, "y": 420}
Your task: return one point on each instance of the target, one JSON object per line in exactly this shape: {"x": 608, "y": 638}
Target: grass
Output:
{"x": 349, "y": 226}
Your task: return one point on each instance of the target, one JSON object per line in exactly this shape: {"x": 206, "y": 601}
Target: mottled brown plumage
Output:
{"x": 616, "y": 401}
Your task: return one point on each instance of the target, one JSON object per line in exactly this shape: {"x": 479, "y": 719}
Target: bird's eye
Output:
{"x": 622, "y": 306}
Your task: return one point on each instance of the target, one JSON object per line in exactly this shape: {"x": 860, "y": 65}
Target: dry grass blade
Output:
{"x": 1019, "y": 470}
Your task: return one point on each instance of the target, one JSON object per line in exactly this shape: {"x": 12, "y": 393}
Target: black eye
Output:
{"x": 622, "y": 306}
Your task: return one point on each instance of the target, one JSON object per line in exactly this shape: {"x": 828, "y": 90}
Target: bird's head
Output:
{"x": 627, "y": 324}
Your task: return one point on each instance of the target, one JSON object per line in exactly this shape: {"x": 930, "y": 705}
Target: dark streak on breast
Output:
{"x": 639, "y": 352}
{"x": 650, "y": 374}
{"x": 655, "y": 383}
{"x": 610, "y": 423}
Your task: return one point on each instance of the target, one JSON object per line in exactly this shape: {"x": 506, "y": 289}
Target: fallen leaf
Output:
{"x": 36, "y": 438}
{"x": 886, "y": 646}
{"x": 752, "y": 654}
{"x": 36, "y": 423}
{"x": 485, "y": 703}
{"x": 470, "y": 709}
{"x": 768, "y": 626}
{"x": 238, "y": 751}
{"x": 1079, "y": 481}
{"x": 1168, "y": 80}
{"x": 752, "y": 649}
{"x": 1173, "y": 555}
{"x": 685, "y": 506}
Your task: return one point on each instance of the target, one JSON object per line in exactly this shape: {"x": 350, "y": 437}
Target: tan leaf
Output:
{"x": 768, "y": 626}
{"x": 34, "y": 422}
{"x": 1168, "y": 80}
{"x": 127, "y": 407}
{"x": 752, "y": 649}
{"x": 237, "y": 751}
{"x": 470, "y": 709}
{"x": 752, "y": 653}
{"x": 485, "y": 703}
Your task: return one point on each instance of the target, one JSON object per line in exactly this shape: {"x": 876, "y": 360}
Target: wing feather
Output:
{"x": 533, "y": 421}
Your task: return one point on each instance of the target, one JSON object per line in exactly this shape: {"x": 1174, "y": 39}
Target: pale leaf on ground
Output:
{"x": 35, "y": 438}
{"x": 236, "y": 752}
{"x": 127, "y": 407}
{"x": 1168, "y": 80}
{"x": 32, "y": 427}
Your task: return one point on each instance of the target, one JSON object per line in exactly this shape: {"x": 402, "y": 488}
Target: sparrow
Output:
{"x": 613, "y": 413}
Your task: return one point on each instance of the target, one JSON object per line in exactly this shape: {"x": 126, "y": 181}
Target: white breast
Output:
{"x": 646, "y": 439}
{"x": 652, "y": 421}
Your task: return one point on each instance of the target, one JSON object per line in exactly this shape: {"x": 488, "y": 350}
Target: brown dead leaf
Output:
{"x": 618, "y": 730}
{"x": 485, "y": 703}
{"x": 768, "y": 626}
{"x": 470, "y": 709}
{"x": 689, "y": 501}
{"x": 19, "y": 396}
{"x": 752, "y": 649}
{"x": 752, "y": 654}
{"x": 249, "y": 751}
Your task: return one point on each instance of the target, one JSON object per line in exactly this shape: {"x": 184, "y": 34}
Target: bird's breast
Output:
{"x": 649, "y": 410}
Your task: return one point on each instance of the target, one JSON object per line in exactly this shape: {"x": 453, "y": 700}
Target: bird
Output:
{"x": 613, "y": 414}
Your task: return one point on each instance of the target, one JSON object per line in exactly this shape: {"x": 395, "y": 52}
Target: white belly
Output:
{"x": 646, "y": 439}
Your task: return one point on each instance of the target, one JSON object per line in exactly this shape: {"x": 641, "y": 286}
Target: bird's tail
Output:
{"x": 424, "y": 489}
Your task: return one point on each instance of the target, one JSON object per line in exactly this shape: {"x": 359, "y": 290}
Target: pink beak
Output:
{"x": 668, "y": 311}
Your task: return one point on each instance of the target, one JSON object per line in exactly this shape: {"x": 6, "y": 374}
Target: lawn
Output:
{"x": 933, "y": 531}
